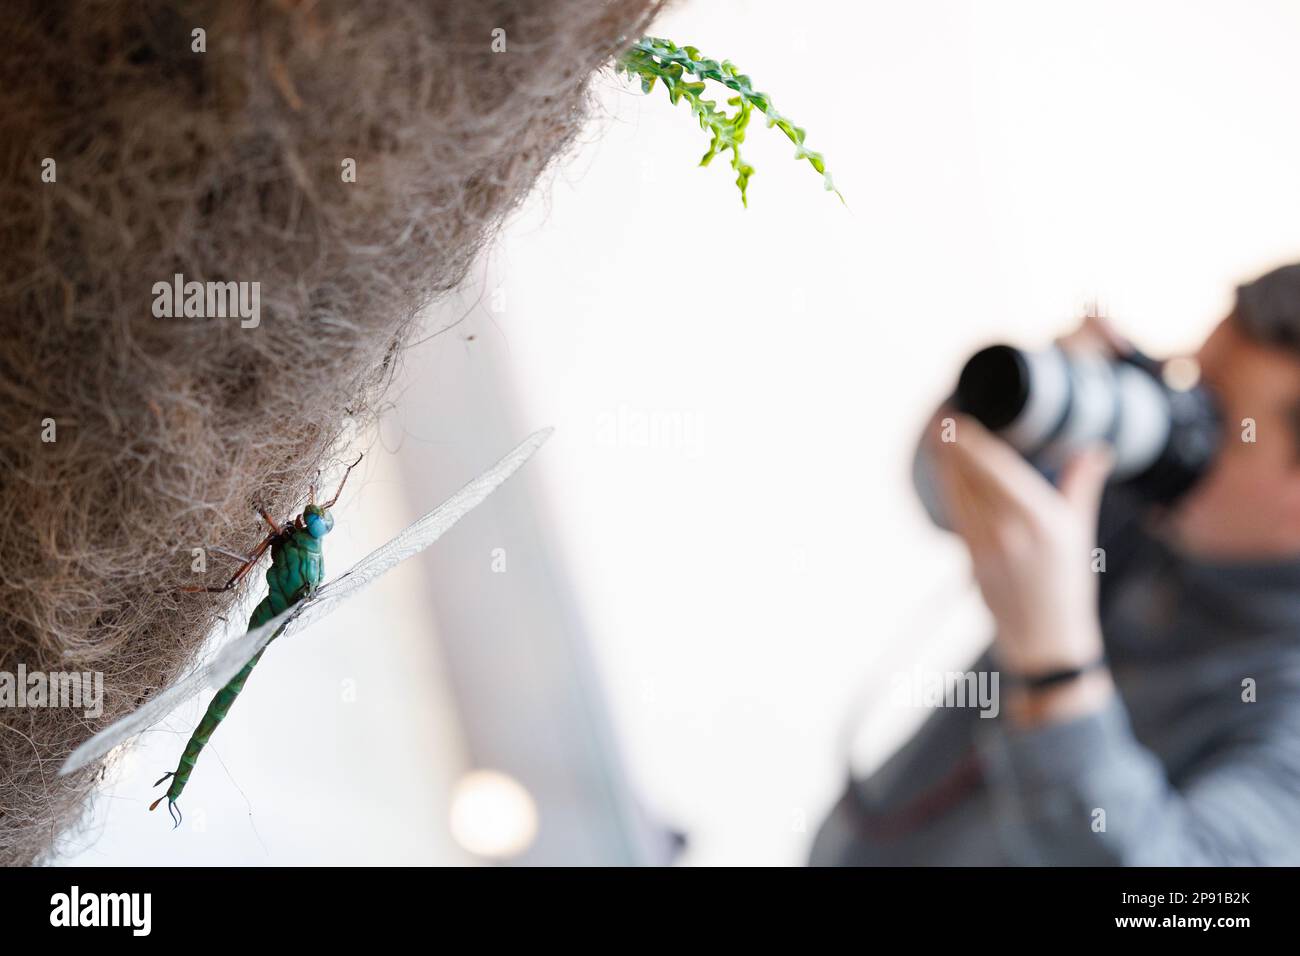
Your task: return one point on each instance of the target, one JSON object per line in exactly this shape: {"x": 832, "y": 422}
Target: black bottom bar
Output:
{"x": 190, "y": 905}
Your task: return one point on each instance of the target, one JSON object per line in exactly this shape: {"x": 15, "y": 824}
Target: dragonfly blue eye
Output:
{"x": 319, "y": 525}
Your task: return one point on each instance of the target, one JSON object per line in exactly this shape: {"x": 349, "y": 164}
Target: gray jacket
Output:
{"x": 1184, "y": 769}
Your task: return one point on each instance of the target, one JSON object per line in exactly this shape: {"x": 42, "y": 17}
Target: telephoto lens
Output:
{"x": 1049, "y": 404}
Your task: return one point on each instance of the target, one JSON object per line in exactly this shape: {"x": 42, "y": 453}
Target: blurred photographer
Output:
{"x": 1151, "y": 713}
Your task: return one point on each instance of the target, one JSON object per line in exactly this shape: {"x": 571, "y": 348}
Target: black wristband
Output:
{"x": 1054, "y": 678}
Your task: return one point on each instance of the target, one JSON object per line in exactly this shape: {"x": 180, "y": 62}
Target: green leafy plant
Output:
{"x": 650, "y": 59}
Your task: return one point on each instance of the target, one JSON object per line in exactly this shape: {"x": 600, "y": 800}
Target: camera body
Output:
{"x": 1049, "y": 404}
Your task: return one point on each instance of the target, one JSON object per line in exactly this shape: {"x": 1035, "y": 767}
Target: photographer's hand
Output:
{"x": 1031, "y": 547}
{"x": 1095, "y": 333}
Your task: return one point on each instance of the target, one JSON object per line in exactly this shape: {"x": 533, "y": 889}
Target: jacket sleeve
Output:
{"x": 1087, "y": 792}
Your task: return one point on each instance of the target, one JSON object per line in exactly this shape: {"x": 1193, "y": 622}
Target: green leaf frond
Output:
{"x": 651, "y": 59}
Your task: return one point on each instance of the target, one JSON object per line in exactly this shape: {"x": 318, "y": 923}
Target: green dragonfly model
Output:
{"x": 296, "y": 598}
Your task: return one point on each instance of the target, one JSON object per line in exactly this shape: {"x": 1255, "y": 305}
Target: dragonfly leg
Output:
{"x": 238, "y": 575}
{"x": 241, "y": 558}
{"x": 330, "y": 504}
{"x": 275, "y": 528}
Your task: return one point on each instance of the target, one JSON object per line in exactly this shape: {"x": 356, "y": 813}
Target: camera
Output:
{"x": 1049, "y": 404}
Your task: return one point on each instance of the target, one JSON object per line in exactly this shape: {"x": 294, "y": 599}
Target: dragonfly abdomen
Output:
{"x": 297, "y": 568}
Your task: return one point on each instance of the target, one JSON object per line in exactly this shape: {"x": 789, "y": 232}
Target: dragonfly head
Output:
{"x": 317, "y": 520}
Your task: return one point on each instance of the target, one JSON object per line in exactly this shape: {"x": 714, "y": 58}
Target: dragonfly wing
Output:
{"x": 231, "y": 659}
{"x": 424, "y": 531}
{"x": 215, "y": 673}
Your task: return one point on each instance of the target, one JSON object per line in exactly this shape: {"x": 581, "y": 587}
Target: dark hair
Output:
{"x": 1268, "y": 309}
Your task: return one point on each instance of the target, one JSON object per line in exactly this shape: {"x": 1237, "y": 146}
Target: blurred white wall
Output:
{"x": 760, "y": 559}
{"x": 736, "y": 393}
